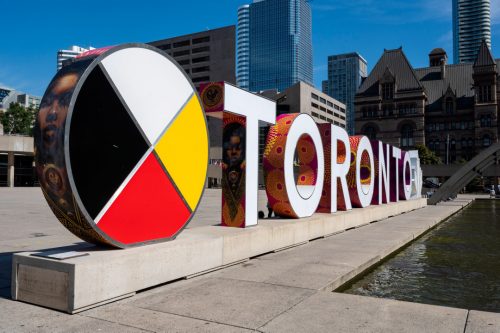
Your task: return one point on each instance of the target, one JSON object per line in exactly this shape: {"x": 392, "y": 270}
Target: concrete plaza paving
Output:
{"x": 286, "y": 291}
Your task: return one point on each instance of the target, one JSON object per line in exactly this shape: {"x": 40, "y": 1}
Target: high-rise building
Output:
{"x": 243, "y": 47}
{"x": 345, "y": 74}
{"x": 471, "y": 25}
{"x": 279, "y": 44}
{"x": 9, "y": 96}
{"x": 72, "y": 52}
{"x": 206, "y": 56}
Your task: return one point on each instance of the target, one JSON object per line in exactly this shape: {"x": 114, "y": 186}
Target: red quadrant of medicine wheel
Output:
{"x": 148, "y": 208}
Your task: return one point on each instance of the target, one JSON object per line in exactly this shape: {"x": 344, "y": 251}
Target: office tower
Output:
{"x": 72, "y": 52}
{"x": 471, "y": 25}
{"x": 345, "y": 74}
{"x": 206, "y": 56}
{"x": 280, "y": 44}
{"x": 304, "y": 98}
{"x": 243, "y": 47}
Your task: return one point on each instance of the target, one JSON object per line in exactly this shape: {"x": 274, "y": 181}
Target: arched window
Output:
{"x": 486, "y": 140}
{"x": 449, "y": 105}
{"x": 370, "y": 132}
{"x": 407, "y": 136}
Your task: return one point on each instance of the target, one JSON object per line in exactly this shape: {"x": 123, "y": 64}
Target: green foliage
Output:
{"x": 18, "y": 120}
{"x": 427, "y": 156}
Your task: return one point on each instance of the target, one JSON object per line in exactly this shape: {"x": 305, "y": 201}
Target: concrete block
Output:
{"x": 42, "y": 286}
{"x": 232, "y": 302}
{"x": 106, "y": 275}
{"x": 328, "y": 312}
{"x": 336, "y": 223}
{"x": 483, "y": 322}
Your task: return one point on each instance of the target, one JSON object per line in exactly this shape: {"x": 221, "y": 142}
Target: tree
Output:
{"x": 427, "y": 156}
{"x": 18, "y": 120}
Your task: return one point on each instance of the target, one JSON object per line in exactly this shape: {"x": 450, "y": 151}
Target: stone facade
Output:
{"x": 452, "y": 109}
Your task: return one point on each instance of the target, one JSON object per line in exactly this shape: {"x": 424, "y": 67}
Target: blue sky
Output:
{"x": 33, "y": 31}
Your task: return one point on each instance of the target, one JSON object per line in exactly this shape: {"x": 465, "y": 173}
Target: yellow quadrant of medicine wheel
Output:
{"x": 183, "y": 150}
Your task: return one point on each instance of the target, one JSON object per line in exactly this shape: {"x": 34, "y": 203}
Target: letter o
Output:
{"x": 283, "y": 138}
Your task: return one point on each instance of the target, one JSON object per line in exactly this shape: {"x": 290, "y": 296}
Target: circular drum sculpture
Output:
{"x": 121, "y": 146}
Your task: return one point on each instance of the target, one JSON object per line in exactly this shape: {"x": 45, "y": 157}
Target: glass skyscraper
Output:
{"x": 279, "y": 44}
{"x": 345, "y": 73}
{"x": 471, "y": 24}
{"x": 243, "y": 47}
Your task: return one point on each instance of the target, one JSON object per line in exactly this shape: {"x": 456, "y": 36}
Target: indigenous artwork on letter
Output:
{"x": 233, "y": 170}
{"x": 305, "y": 165}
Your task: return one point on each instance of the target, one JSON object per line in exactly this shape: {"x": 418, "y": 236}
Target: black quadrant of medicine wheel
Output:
{"x": 105, "y": 144}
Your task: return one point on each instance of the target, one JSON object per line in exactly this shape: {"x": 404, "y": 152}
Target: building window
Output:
{"x": 181, "y": 53}
{"x": 449, "y": 105}
{"x": 183, "y": 62}
{"x": 405, "y": 109}
{"x": 201, "y": 69}
{"x": 407, "y": 136}
{"x": 484, "y": 94}
{"x": 201, "y": 59}
{"x": 370, "y": 132}
{"x": 388, "y": 110}
{"x": 369, "y": 111}
{"x": 201, "y": 40}
{"x": 485, "y": 120}
{"x": 322, "y": 100}
{"x": 165, "y": 47}
{"x": 486, "y": 140}
{"x": 464, "y": 143}
{"x": 314, "y": 96}
{"x": 201, "y": 79}
{"x": 434, "y": 145}
{"x": 181, "y": 43}
{"x": 314, "y": 105}
{"x": 388, "y": 91}
{"x": 200, "y": 49}
{"x": 470, "y": 142}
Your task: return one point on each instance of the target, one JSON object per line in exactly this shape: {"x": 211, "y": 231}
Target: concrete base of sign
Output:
{"x": 103, "y": 276}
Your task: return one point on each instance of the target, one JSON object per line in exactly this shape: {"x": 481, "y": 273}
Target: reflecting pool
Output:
{"x": 456, "y": 264}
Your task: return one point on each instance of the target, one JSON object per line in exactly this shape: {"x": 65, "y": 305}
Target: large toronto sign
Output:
{"x": 122, "y": 151}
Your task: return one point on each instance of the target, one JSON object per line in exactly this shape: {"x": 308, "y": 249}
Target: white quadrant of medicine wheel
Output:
{"x": 153, "y": 87}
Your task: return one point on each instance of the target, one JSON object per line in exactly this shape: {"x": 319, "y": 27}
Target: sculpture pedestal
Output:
{"x": 105, "y": 275}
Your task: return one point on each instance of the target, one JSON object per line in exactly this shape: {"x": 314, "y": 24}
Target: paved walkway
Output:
{"x": 287, "y": 291}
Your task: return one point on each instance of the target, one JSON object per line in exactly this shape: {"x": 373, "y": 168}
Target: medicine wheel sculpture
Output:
{"x": 121, "y": 146}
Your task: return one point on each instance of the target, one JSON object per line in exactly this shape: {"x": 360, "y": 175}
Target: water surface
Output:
{"x": 456, "y": 264}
